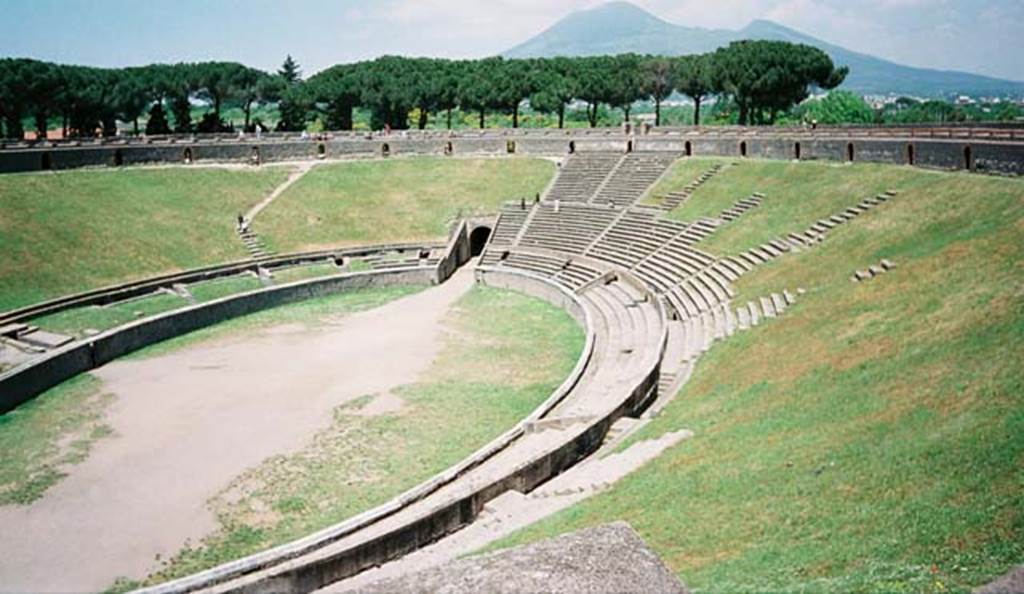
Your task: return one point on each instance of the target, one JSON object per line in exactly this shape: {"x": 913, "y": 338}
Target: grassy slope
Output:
{"x": 797, "y": 194}
{"x": 44, "y": 436}
{"x": 70, "y": 231}
{"x": 504, "y": 354}
{"x": 872, "y": 439}
{"x": 394, "y": 200}
{"x": 679, "y": 176}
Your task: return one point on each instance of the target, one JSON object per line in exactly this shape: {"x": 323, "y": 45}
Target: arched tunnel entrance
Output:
{"x": 478, "y": 239}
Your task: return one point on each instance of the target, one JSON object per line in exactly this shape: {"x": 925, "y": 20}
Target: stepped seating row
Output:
{"x": 672, "y": 200}
{"x": 634, "y": 236}
{"x": 812, "y": 235}
{"x": 633, "y": 175}
{"x": 719, "y": 322}
{"x": 581, "y": 175}
{"x": 566, "y": 227}
{"x": 510, "y": 221}
{"x": 564, "y": 270}
{"x": 738, "y": 209}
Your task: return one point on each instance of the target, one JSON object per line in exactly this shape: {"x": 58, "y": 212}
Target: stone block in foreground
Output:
{"x": 607, "y": 559}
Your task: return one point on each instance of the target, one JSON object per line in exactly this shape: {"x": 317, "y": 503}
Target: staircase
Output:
{"x": 257, "y": 249}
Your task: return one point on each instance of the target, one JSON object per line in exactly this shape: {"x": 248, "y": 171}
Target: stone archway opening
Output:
{"x": 688, "y": 149}
{"x": 478, "y": 240}
{"x": 910, "y": 154}
{"x": 796, "y": 151}
{"x": 968, "y": 158}
{"x": 45, "y": 162}
{"x": 743, "y": 148}
{"x": 321, "y": 151}
{"x": 849, "y": 151}
{"x": 186, "y": 156}
{"x": 572, "y": 147}
{"x": 510, "y": 147}
{"x": 254, "y": 156}
{"x": 118, "y": 157}
{"x": 449, "y": 150}
{"x": 385, "y": 150}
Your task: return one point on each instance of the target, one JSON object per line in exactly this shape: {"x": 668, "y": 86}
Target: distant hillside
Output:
{"x": 619, "y": 27}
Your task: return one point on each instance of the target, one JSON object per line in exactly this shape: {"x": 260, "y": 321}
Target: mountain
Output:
{"x": 619, "y": 27}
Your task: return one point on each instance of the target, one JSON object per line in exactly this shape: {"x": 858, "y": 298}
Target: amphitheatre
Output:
{"x": 788, "y": 358}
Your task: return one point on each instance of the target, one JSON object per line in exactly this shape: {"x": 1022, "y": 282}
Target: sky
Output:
{"x": 981, "y": 36}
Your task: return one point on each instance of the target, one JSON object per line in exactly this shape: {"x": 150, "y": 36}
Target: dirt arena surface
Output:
{"x": 187, "y": 422}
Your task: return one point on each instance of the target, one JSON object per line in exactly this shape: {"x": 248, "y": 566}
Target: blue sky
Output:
{"x": 982, "y": 36}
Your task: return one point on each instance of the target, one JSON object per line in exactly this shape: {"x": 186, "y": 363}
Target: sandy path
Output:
{"x": 188, "y": 422}
{"x": 303, "y": 168}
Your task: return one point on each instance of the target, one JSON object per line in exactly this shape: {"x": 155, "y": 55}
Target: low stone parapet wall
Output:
{"x": 995, "y": 150}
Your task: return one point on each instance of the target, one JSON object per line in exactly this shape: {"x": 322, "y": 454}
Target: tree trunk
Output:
{"x": 41, "y": 124}
{"x": 592, "y": 114}
{"x": 248, "y": 111}
{"x": 561, "y": 116}
{"x": 135, "y": 126}
{"x": 657, "y": 111}
{"x": 743, "y": 113}
{"x": 482, "y": 112}
{"x": 625, "y": 112}
{"x": 515, "y": 116}
{"x": 216, "y": 108}
{"x": 422, "y": 123}
{"x": 449, "y": 118}
{"x": 696, "y": 111}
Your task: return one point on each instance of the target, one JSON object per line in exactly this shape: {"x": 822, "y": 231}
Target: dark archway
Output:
{"x": 968, "y": 158}
{"x": 187, "y": 155}
{"x": 385, "y": 150}
{"x": 118, "y": 157}
{"x": 849, "y": 151}
{"x": 321, "y": 151}
{"x": 510, "y": 146}
{"x": 449, "y": 149}
{"x": 45, "y": 163}
{"x": 910, "y": 154}
{"x": 478, "y": 239}
{"x": 688, "y": 149}
{"x": 629, "y": 146}
{"x": 796, "y": 151}
{"x": 743, "y": 148}
{"x": 572, "y": 146}
{"x": 254, "y": 157}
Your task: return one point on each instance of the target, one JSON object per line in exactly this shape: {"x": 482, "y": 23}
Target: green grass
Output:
{"x": 872, "y": 438}
{"x": 222, "y": 287}
{"x": 680, "y": 175}
{"x": 400, "y": 199}
{"x": 796, "y": 195}
{"x": 504, "y": 354}
{"x": 63, "y": 232}
{"x": 74, "y": 322}
{"x": 42, "y": 437}
{"x": 304, "y": 272}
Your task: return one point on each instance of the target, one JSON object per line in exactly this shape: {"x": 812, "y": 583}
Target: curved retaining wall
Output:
{"x": 25, "y": 382}
{"x": 995, "y": 150}
{"x": 128, "y": 290}
{"x": 434, "y": 523}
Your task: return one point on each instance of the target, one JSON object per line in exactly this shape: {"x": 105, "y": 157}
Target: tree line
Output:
{"x": 759, "y": 79}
